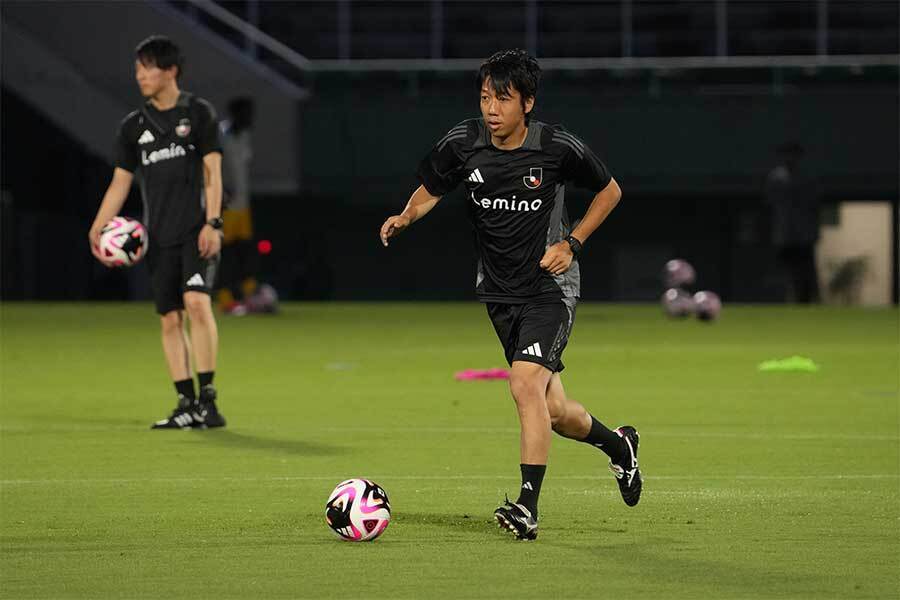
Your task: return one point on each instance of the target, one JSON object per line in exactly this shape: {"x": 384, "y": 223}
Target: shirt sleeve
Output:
{"x": 442, "y": 169}
{"x": 581, "y": 165}
{"x": 125, "y": 152}
{"x": 208, "y": 137}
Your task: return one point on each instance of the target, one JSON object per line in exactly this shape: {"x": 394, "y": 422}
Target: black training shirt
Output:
{"x": 165, "y": 150}
{"x": 516, "y": 201}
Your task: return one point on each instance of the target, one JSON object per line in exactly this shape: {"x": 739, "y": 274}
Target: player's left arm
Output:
{"x": 209, "y": 144}
{"x": 602, "y": 204}
{"x": 558, "y": 257}
{"x": 210, "y": 240}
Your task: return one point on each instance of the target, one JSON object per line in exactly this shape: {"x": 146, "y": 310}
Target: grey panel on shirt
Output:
{"x": 570, "y": 281}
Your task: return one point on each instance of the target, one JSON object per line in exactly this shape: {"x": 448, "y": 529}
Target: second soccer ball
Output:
{"x": 707, "y": 305}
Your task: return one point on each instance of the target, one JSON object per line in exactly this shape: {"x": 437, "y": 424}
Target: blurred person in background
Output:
{"x": 792, "y": 193}
{"x": 170, "y": 145}
{"x": 238, "y": 254}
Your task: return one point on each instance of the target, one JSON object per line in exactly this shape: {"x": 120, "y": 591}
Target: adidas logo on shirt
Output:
{"x": 533, "y": 350}
{"x": 476, "y": 177}
{"x": 146, "y": 137}
{"x": 195, "y": 279}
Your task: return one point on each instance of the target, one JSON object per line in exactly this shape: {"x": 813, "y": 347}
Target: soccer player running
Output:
{"x": 172, "y": 145}
{"x": 515, "y": 170}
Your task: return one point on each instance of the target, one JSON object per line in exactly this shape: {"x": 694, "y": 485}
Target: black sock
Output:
{"x": 532, "y": 477}
{"x": 185, "y": 388}
{"x": 206, "y": 378}
{"x": 607, "y": 440}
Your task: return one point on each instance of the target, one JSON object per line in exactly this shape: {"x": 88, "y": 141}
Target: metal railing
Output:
{"x": 252, "y": 35}
{"x": 612, "y": 64}
{"x": 254, "y": 39}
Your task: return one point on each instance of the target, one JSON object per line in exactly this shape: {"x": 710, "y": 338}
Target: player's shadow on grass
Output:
{"x": 233, "y": 439}
{"x": 80, "y": 425}
{"x": 728, "y": 571}
{"x": 460, "y": 523}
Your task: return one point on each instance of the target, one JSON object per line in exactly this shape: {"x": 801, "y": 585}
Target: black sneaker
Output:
{"x": 207, "y": 411}
{"x": 627, "y": 472}
{"x": 517, "y": 519}
{"x": 183, "y": 417}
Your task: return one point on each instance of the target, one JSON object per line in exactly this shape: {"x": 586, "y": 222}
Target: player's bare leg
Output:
{"x": 176, "y": 346}
{"x": 177, "y": 350}
{"x": 204, "y": 333}
{"x": 205, "y": 338}
{"x": 570, "y": 419}
{"x": 567, "y": 417}
{"x": 528, "y": 384}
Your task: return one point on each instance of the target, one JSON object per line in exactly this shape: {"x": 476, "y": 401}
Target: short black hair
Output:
{"x": 160, "y": 51}
{"x": 514, "y": 68}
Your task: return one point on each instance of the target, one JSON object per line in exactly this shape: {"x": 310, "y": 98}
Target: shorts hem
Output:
{"x": 204, "y": 290}
{"x": 555, "y": 367}
{"x": 167, "y": 309}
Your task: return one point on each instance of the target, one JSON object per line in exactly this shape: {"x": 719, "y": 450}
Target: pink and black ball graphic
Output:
{"x": 123, "y": 242}
{"x": 358, "y": 510}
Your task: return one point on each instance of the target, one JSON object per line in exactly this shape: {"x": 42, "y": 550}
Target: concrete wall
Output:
{"x": 706, "y": 134}
{"x": 84, "y": 57}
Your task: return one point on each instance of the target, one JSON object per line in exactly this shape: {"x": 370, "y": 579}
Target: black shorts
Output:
{"x": 535, "y": 333}
{"x": 175, "y": 270}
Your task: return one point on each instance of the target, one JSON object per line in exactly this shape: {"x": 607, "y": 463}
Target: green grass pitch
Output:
{"x": 757, "y": 485}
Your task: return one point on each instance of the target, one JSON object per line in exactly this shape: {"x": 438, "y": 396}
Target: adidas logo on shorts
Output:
{"x": 196, "y": 279}
{"x": 533, "y": 350}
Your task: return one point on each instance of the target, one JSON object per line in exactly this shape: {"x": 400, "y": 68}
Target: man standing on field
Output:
{"x": 515, "y": 171}
{"x": 172, "y": 145}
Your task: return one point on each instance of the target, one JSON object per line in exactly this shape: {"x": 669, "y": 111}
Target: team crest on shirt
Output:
{"x": 533, "y": 180}
{"x": 183, "y": 129}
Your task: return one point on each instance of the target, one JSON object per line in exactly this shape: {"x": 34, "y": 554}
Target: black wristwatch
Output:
{"x": 574, "y": 244}
{"x": 215, "y": 222}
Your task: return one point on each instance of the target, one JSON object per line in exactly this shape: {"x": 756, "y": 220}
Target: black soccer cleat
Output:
{"x": 207, "y": 411}
{"x": 627, "y": 472}
{"x": 183, "y": 417}
{"x": 517, "y": 520}
{"x": 194, "y": 414}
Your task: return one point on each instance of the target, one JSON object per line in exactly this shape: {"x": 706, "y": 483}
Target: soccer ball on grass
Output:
{"x": 358, "y": 510}
{"x": 708, "y": 305}
{"x": 677, "y": 303}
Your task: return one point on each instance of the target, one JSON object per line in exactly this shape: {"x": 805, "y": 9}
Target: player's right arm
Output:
{"x": 439, "y": 172}
{"x": 420, "y": 203}
{"x": 126, "y": 163}
{"x": 113, "y": 200}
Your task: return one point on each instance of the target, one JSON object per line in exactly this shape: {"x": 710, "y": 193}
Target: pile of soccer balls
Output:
{"x": 678, "y": 303}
